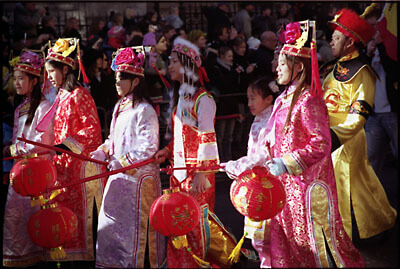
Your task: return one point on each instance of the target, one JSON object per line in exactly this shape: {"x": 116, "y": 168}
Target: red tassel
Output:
{"x": 86, "y": 80}
{"x": 166, "y": 84}
{"x": 315, "y": 80}
{"x": 203, "y": 75}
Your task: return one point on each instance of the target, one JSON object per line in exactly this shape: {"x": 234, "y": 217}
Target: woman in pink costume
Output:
{"x": 308, "y": 232}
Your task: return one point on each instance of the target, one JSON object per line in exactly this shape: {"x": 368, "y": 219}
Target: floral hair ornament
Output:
{"x": 129, "y": 60}
{"x": 30, "y": 61}
{"x": 297, "y": 36}
{"x": 61, "y": 51}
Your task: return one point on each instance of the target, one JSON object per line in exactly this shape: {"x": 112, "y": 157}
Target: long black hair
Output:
{"x": 36, "y": 97}
{"x": 140, "y": 92}
{"x": 70, "y": 82}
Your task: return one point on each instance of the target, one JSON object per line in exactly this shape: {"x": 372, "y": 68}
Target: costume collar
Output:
{"x": 352, "y": 55}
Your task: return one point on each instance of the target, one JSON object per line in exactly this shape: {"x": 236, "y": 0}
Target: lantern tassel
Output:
{"x": 57, "y": 253}
{"x": 235, "y": 255}
{"x": 38, "y": 201}
{"x": 202, "y": 263}
{"x": 180, "y": 242}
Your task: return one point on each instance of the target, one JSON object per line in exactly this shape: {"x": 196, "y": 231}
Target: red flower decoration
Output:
{"x": 139, "y": 60}
{"x": 125, "y": 56}
{"x": 292, "y": 33}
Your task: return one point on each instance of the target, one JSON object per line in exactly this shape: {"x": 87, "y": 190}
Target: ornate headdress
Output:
{"x": 29, "y": 61}
{"x": 191, "y": 51}
{"x": 352, "y": 25}
{"x": 300, "y": 41}
{"x": 129, "y": 60}
{"x": 61, "y": 52}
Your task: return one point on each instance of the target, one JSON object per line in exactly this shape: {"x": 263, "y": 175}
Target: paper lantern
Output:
{"x": 257, "y": 194}
{"x": 51, "y": 227}
{"x": 175, "y": 213}
{"x": 31, "y": 177}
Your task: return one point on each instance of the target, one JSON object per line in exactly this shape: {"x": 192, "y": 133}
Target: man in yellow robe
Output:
{"x": 349, "y": 90}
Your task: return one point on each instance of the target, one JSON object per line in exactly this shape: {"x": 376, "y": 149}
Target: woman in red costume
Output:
{"x": 76, "y": 128}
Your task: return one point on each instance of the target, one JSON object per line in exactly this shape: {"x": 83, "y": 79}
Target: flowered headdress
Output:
{"x": 191, "y": 51}
{"x": 61, "y": 52}
{"x": 29, "y": 61}
{"x": 129, "y": 60}
{"x": 300, "y": 41}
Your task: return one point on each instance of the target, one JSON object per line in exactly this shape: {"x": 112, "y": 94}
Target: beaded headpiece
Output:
{"x": 29, "y": 61}
{"x": 129, "y": 60}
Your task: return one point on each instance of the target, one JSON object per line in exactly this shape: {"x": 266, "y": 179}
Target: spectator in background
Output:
{"x": 381, "y": 127}
{"x": 26, "y": 19}
{"x": 173, "y": 18}
{"x": 168, "y": 32}
{"x": 132, "y": 35}
{"x": 150, "y": 22}
{"x": 242, "y": 19}
{"x": 49, "y": 27}
{"x": 263, "y": 22}
{"x": 283, "y": 15}
{"x": 158, "y": 45}
{"x": 222, "y": 34}
{"x": 130, "y": 18}
{"x": 264, "y": 55}
{"x": 98, "y": 28}
{"x": 224, "y": 80}
{"x": 116, "y": 35}
{"x": 216, "y": 16}
{"x": 241, "y": 63}
{"x": 253, "y": 43}
{"x": 324, "y": 49}
{"x": 72, "y": 28}
{"x": 198, "y": 38}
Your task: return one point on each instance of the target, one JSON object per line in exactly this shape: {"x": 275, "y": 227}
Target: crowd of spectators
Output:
{"x": 236, "y": 49}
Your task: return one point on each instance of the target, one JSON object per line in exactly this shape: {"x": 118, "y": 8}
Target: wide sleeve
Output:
{"x": 30, "y": 132}
{"x": 147, "y": 135}
{"x": 207, "y": 154}
{"x": 362, "y": 100}
{"x": 314, "y": 127}
{"x": 235, "y": 168}
{"x": 86, "y": 134}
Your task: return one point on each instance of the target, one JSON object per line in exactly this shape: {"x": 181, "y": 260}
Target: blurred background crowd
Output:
{"x": 237, "y": 40}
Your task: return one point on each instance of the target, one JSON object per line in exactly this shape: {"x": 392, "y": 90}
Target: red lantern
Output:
{"x": 31, "y": 177}
{"x": 52, "y": 227}
{"x": 257, "y": 194}
{"x": 175, "y": 213}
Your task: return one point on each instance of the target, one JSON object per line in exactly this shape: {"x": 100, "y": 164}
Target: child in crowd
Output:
{"x": 76, "y": 128}
{"x": 308, "y": 232}
{"x": 18, "y": 249}
{"x": 194, "y": 145}
{"x": 123, "y": 229}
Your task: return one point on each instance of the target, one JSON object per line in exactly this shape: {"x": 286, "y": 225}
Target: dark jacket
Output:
{"x": 263, "y": 58}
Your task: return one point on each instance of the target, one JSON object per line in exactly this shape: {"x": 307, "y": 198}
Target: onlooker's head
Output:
{"x": 222, "y": 32}
{"x": 198, "y": 38}
{"x": 269, "y": 40}
{"x": 225, "y": 54}
{"x": 239, "y": 46}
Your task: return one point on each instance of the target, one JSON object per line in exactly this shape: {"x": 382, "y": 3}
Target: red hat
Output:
{"x": 352, "y": 25}
{"x": 129, "y": 60}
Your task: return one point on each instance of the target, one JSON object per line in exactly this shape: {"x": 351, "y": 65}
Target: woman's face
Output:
{"x": 241, "y": 49}
{"x": 54, "y": 75}
{"x": 285, "y": 71}
{"x": 227, "y": 57}
{"x": 161, "y": 45}
{"x": 174, "y": 67}
{"x": 201, "y": 42}
{"x": 23, "y": 84}
{"x": 256, "y": 102}
{"x": 124, "y": 86}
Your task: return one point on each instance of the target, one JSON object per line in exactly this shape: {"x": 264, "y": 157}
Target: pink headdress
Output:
{"x": 29, "y": 62}
{"x": 297, "y": 36}
{"x": 129, "y": 60}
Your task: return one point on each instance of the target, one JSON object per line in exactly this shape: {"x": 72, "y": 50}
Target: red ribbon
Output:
{"x": 23, "y": 155}
{"x": 315, "y": 80}
{"x": 203, "y": 75}
{"x": 166, "y": 84}
{"x": 79, "y": 156}
{"x": 86, "y": 179}
{"x": 169, "y": 169}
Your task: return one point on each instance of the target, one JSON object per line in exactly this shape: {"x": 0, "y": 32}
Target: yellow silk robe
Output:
{"x": 349, "y": 90}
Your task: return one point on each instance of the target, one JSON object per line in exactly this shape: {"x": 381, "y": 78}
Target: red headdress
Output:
{"x": 352, "y": 25}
